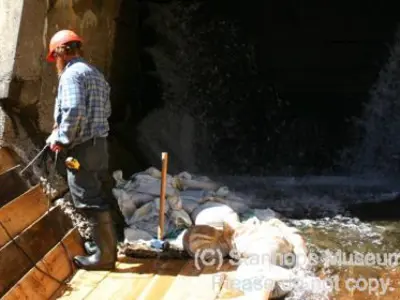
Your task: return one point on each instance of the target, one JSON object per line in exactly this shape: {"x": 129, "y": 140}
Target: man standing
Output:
{"x": 81, "y": 128}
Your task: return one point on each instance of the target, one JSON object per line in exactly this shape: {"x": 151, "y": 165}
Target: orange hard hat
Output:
{"x": 60, "y": 38}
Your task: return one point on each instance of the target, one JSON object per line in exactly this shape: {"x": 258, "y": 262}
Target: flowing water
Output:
{"x": 333, "y": 215}
{"x": 330, "y": 211}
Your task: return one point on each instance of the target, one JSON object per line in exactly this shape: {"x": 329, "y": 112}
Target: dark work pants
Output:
{"x": 87, "y": 184}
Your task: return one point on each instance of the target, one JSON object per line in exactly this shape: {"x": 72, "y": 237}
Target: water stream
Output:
{"x": 334, "y": 216}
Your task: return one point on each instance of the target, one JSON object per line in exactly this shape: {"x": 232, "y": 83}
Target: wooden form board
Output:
{"x": 58, "y": 262}
{"x": 24, "y": 210}
{"x": 6, "y": 160}
{"x": 11, "y": 185}
{"x": 147, "y": 279}
{"x": 18, "y": 256}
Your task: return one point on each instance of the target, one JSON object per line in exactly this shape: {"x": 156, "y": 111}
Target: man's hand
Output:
{"x": 55, "y": 147}
{"x": 51, "y": 141}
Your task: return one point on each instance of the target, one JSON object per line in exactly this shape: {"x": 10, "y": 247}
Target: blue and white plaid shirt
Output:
{"x": 82, "y": 105}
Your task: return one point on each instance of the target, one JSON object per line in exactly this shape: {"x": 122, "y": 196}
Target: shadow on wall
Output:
{"x": 135, "y": 86}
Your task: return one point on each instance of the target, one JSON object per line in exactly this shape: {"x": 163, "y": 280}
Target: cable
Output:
{"x": 29, "y": 258}
{"x": 34, "y": 264}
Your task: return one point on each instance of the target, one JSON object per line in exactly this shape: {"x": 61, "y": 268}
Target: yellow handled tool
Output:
{"x": 72, "y": 163}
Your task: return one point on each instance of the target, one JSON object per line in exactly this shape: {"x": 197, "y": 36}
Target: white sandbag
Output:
{"x": 178, "y": 241}
{"x": 222, "y": 191}
{"x": 191, "y": 199}
{"x": 238, "y": 207}
{"x": 200, "y": 183}
{"x": 253, "y": 221}
{"x": 254, "y": 278}
{"x": 146, "y": 218}
{"x": 189, "y": 205}
{"x": 119, "y": 180}
{"x": 187, "y": 176}
{"x": 153, "y": 172}
{"x": 147, "y": 184}
{"x": 264, "y": 241}
{"x": 175, "y": 202}
{"x": 150, "y": 225}
{"x": 214, "y": 214}
{"x": 156, "y": 205}
{"x": 143, "y": 213}
{"x": 180, "y": 218}
{"x": 184, "y": 175}
{"x": 128, "y": 202}
{"x": 133, "y": 234}
{"x": 125, "y": 204}
{"x": 265, "y": 214}
{"x": 293, "y": 236}
{"x": 194, "y": 194}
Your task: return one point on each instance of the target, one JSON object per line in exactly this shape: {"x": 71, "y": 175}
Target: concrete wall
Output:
{"x": 28, "y": 84}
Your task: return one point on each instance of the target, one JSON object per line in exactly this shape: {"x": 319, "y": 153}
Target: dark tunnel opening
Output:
{"x": 274, "y": 87}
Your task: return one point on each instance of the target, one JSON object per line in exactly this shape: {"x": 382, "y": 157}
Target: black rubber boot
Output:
{"x": 90, "y": 247}
{"x": 104, "y": 236}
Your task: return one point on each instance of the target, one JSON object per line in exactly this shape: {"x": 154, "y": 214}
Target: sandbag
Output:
{"x": 265, "y": 241}
{"x": 214, "y": 214}
{"x": 174, "y": 202}
{"x": 180, "y": 218}
{"x": 250, "y": 276}
{"x": 191, "y": 199}
{"x": 128, "y": 202}
{"x": 133, "y": 234}
{"x": 147, "y": 184}
{"x": 265, "y": 214}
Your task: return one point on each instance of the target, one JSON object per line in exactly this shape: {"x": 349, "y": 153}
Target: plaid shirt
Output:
{"x": 82, "y": 105}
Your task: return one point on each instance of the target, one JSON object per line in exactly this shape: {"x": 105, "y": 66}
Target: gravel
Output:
{"x": 78, "y": 219}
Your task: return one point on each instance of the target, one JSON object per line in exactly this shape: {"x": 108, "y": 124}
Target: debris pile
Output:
{"x": 190, "y": 201}
{"x": 78, "y": 219}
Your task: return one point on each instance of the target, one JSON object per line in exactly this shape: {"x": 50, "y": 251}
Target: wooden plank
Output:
{"x": 58, "y": 262}
{"x": 22, "y": 212}
{"x": 82, "y": 284}
{"x": 161, "y": 282}
{"x": 184, "y": 283}
{"x": 143, "y": 278}
{"x": 128, "y": 281}
{"x": 11, "y": 186}
{"x": 209, "y": 283}
{"x": 6, "y": 160}
{"x": 228, "y": 290}
{"x": 19, "y": 256}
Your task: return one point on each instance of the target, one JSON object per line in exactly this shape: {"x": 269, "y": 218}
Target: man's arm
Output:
{"x": 72, "y": 102}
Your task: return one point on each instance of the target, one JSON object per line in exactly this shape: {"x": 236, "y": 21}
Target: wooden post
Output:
{"x": 164, "y": 160}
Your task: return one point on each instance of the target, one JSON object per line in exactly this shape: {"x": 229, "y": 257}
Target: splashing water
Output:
{"x": 379, "y": 150}
{"x": 198, "y": 82}
{"x": 208, "y": 71}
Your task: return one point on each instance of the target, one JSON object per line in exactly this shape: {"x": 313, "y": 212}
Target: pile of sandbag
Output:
{"x": 190, "y": 201}
{"x": 270, "y": 253}
{"x": 199, "y": 201}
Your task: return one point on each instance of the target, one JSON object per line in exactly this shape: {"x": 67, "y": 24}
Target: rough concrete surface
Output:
{"x": 28, "y": 84}
{"x": 10, "y": 16}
